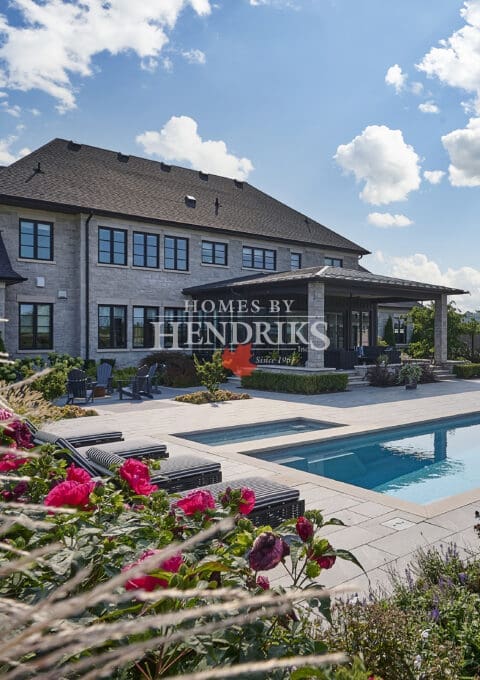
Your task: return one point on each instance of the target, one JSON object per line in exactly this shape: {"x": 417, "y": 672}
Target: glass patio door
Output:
{"x": 360, "y": 329}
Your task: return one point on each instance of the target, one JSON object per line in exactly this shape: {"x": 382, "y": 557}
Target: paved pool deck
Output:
{"x": 383, "y": 532}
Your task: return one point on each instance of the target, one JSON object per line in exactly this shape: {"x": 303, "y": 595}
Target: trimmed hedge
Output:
{"x": 467, "y": 370}
{"x": 295, "y": 382}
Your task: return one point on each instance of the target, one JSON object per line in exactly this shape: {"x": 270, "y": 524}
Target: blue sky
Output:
{"x": 314, "y": 101}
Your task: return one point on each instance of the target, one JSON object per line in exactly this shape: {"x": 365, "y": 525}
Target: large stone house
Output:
{"x": 96, "y": 245}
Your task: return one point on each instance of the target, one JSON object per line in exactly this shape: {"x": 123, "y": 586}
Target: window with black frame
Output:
{"x": 112, "y": 326}
{"x": 333, "y": 262}
{"x": 35, "y": 326}
{"x": 173, "y": 316}
{"x": 214, "y": 252}
{"x": 175, "y": 255}
{"x": 295, "y": 261}
{"x": 145, "y": 250}
{"x": 36, "y": 240}
{"x": 112, "y": 246}
{"x": 259, "y": 258}
{"x": 143, "y": 330}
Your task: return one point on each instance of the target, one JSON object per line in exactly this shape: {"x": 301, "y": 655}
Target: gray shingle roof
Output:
{"x": 80, "y": 177}
{"x": 326, "y": 274}
{"x": 7, "y": 273}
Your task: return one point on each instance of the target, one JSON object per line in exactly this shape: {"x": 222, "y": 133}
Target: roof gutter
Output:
{"x": 87, "y": 286}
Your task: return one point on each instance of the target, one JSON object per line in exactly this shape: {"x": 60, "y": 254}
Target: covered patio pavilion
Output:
{"x": 346, "y": 299}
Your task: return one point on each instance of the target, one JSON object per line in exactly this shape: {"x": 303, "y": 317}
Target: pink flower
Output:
{"x": 19, "y": 432}
{"x": 320, "y": 555}
{"x": 10, "y": 461}
{"x": 304, "y": 529}
{"x": 196, "y": 501}
{"x": 267, "y": 551}
{"x": 76, "y": 494}
{"x": 247, "y": 501}
{"x": 147, "y": 582}
{"x": 137, "y": 476}
{"x": 76, "y": 474}
{"x": 5, "y": 414}
{"x": 263, "y": 582}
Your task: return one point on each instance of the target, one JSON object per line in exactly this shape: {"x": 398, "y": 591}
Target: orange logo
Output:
{"x": 238, "y": 361}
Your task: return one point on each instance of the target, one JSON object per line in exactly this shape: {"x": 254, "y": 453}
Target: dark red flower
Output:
{"x": 321, "y": 555}
{"x": 247, "y": 501}
{"x": 304, "y": 529}
{"x": 267, "y": 551}
{"x": 76, "y": 474}
{"x": 137, "y": 476}
{"x": 147, "y": 582}
{"x": 10, "y": 461}
{"x": 76, "y": 494}
{"x": 19, "y": 432}
{"x": 196, "y": 501}
{"x": 18, "y": 491}
{"x": 263, "y": 582}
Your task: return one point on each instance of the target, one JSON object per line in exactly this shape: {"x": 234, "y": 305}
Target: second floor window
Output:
{"x": 143, "y": 331}
{"x": 333, "y": 262}
{"x": 36, "y": 240}
{"x": 112, "y": 246}
{"x": 112, "y": 326}
{"x": 214, "y": 253}
{"x": 295, "y": 261}
{"x": 145, "y": 250}
{"x": 176, "y": 253}
{"x": 258, "y": 258}
{"x": 35, "y": 326}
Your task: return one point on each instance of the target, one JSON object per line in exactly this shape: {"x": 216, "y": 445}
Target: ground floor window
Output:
{"x": 175, "y": 315}
{"x": 143, "y": 330}
{"x": 400, "y": 330}
{"x": 335, "y": 329}
{"x": 35, "y": 326}
{"x": 112, "y": 326}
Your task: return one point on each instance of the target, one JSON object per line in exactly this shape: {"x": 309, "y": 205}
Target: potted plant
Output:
{"x": 411, "y": 374}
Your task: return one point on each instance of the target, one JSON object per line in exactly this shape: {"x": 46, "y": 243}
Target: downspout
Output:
{"x": 87, "y": 286}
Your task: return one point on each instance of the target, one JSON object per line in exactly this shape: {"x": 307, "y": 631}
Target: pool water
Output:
{"x": 242, "y": 433}
{"x": 422, "y": 463}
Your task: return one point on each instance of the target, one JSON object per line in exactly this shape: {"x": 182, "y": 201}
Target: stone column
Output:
{"x": 316, "y": 312}
{"x": 441, "y": 329}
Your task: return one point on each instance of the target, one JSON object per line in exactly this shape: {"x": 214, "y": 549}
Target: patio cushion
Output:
{"x": 87, "y": 439}
{"x": 140, "y": 447}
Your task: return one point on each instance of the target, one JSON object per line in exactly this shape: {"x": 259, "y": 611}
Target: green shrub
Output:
{"x": 296, "y": 383}
{"x": 389, "y": 333}
{"x": 467, "y": 370}
{"x": 380, "y": 376}
{"x": 211, "y": 373}
{"x": 179, "y": 368}
{"x": 211, "y": 397}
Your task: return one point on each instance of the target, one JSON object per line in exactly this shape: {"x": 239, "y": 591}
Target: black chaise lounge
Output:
{"x": 87, "y": 439}
{"x": 140, "y": 447}
{"x": 274, "y": 502}
{"x": 179, "y": 473}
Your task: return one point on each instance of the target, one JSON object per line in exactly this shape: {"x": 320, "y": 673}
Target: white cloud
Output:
{"x": 396, "y": 78}
{"x": 57, "y": 40}
{"x": 12, "y": 109}
{"x": 419, "y": 267}
{"x": 35, "y": 112}
{"x": 381, "y": 158}
{"x": 274, "y": 3}
{"x": 195, "y": 56}
{"x": 178, "y": 141}
{"x": 387, "y": 220}
{"x": 456, "y": 62}
{"x": 428, "y": 107}
{"x": 416, "y": 88}
{"x": 434, "y": 176}
{"x": 463, "y": 147}
{"x": 7, "y": 156}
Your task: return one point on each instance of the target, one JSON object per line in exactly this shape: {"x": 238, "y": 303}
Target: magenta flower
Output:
{"x": 304, "y": 529}
{"x": 196, "y": 501}
{"x": 147, "y": 582}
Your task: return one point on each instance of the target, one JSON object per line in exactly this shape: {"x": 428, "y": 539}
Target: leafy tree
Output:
{"x": 388, "y": 333}
{"x": 210, "y": 373}
{"x": 423, "y": 343}
{"x": 471, "y": 328}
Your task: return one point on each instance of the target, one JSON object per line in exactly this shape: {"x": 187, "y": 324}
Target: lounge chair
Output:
{"x": 179, "y": 473}
{"x": 79, "y": 386}
{"x": 274, "y": 502}
{"x": 87, "y": 439}
{"x": 139, "y": 447}
{"x": 138, "y": 386}
{"x": 104, "y": 377}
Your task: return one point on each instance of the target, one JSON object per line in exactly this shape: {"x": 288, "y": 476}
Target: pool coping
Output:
{"x": 292, "y": 476}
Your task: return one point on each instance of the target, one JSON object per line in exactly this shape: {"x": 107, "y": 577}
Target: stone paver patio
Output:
{"x": 382, "y": 531}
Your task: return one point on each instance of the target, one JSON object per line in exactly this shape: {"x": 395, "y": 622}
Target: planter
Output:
{"x": 99, "y": 392}
{"x": 411, "y": 385}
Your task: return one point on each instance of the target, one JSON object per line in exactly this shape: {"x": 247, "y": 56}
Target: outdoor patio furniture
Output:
{"x": 179, "y": 473}
{"x": 79, "y": 386}
{"x": 274, "y": 502}
{"x": 139, "y": 386}
{"x": 140, "y": 447}
{"x": 104, "y": 377}
{"x": 90, "y": 438}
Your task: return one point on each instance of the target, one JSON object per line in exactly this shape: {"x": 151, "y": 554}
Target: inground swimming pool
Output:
{"x": 419, "y": 463}
{"x": 242, "y": 433}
